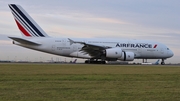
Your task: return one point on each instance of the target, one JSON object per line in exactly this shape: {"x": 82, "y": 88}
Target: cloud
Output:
{"x": 106, "y": 20}
{"x": 4, "y": 42}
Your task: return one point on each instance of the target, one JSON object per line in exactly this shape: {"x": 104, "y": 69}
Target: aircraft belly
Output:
{"x": 80, "y": 55}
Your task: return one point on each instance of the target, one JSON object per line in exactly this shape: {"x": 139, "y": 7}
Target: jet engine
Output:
{"x": 127, "y": 56}
{"x": 119, "y": 54}
{"x": 113, "y": 52}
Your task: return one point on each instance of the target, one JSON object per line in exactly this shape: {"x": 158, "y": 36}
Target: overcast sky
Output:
{"x": 157, "y": 20}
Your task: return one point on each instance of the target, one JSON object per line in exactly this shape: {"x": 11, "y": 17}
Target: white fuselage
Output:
{"x": 142, "y": 49}
{"x": 92, "y": 49}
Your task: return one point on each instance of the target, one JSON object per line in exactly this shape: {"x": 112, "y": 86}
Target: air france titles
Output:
{"x": 137, "y": 45}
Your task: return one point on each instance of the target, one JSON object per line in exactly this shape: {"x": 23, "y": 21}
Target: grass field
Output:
{"x": 79, "y": 82}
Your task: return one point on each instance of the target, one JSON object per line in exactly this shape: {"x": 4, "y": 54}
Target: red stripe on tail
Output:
{"x": 22, "y": 29}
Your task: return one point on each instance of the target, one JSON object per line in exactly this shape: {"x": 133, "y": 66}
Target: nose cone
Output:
{"x": 170, "y": 53}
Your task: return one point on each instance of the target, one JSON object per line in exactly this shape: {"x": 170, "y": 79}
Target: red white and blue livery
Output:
{"x": 96, "y": 50}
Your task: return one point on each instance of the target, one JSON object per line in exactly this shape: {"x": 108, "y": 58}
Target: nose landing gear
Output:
{"x": 162, "y": 62}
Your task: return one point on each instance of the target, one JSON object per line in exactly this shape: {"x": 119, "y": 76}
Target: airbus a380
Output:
{"x": 95, "y": 50}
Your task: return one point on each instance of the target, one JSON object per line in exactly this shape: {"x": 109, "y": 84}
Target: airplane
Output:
{"x": 156, "y": 63}
{"x": 149, "y": 63}
{"x": 73, "y": 61}
{"x": 95, "y": 50}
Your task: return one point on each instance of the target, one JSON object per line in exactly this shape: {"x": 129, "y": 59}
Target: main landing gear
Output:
{"x": 92, "y": 61}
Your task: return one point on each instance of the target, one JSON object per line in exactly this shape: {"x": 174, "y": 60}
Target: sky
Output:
{"x": 156, "y": 20}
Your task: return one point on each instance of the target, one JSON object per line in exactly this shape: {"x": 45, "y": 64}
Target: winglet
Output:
{"x": 71, "y": 41}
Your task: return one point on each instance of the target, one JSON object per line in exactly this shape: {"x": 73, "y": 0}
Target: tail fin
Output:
{"x": 27, "y": 26}
{"x": 74, "y": 61}
{"x": 157, "y": 62}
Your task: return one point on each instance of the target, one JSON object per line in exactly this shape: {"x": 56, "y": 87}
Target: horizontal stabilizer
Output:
{"x": 24, "y": 41}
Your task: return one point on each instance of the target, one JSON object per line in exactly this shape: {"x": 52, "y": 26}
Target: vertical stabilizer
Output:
{"x": 27, "y": 26}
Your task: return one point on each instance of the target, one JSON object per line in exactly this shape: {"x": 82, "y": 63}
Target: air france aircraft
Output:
{"x": 95, "y": 50}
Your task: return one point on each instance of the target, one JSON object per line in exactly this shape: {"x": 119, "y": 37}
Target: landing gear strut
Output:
{"x": 162, "y": 62}
{"x": 92, "y": 61}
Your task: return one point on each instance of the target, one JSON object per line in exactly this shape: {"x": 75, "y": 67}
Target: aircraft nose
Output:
{"x": 170, "y": 53}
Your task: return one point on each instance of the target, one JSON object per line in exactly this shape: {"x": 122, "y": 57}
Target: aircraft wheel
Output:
{"x": 103, "y": 62}
{"x": 87, "y": 61}
{"x": 162, "y": 63}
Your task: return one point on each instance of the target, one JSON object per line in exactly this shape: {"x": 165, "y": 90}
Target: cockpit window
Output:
{"x": 167, "y": 48}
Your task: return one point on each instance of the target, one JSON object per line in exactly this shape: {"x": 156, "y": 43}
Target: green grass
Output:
{"x": 78, "y": 82}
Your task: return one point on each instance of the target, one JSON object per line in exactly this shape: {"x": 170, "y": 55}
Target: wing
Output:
{"x": 93, "y": 50}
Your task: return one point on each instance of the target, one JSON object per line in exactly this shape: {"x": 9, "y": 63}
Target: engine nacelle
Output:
{"x": 127, "y": 56}
{"x": 113, "y": 52}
